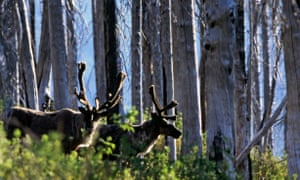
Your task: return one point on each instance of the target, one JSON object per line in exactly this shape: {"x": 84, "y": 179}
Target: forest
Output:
{"x": 149, "y": 89}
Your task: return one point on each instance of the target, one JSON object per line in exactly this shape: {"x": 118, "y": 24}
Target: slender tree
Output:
{"x": 152, "y": 57}
{"x": 241, "y": 124}
{"x": 167, "y": 59}
{"x": 99, "y": 48}
{"x": 111, "y": 44}
{"x": 58, "y": 54}
{"x": 136, "y": 58}
{"x": 44, "y": 64}
{"x": 71, "y": 50}
{"x": 27, "y": 59}
{"x": 186, "y": 78}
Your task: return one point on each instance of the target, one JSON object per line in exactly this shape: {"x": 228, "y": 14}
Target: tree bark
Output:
{"x": 167, "y": 58}
{"x": 99, "y": 49}
{"x": 71, "y": 51}
{"x": 44, "y": 63}
{"x": 111, "y": 45}
{"x": 137, "y": 58}
{"x": 219, "y": 46}
{"x": 58, "y": 54}
{"x": 241, "y": 123}
{"x": 9, "y": 30}
{"x": 27, "y": 60}
{"x": 291, "y": 43}
{"x": 152, "y": 57}
{"x": 186, "y": 78}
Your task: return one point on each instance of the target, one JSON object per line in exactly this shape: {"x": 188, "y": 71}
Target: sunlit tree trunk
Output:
{"x": 27, "y": 60}
{"x": 291, "y": 43}
{"x": 186, "y": 76}
{"x": 136, "y": 58}
{"x": 58, "y": 54}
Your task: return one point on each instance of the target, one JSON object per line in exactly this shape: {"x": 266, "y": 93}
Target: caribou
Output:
{"x": 136, "y": 142}
{"x": 74, "y": 125}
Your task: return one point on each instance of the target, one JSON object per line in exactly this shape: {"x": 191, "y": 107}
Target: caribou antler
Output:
{"x": 116, "y": 98}
{"x": 81, "y": 95}
{"x": 113, "y": 100}
{"x": 162, "y": 110}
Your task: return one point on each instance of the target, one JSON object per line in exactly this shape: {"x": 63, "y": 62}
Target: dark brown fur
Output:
{"x": 73, "y": 125}
{"x": 143, "y": 137}
{"x": 68, "y": 122}
{"x": 138, "y": 142}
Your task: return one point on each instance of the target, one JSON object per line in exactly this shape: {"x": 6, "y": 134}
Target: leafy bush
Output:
{"x": 28, "y": 159}
{"x": 267, "y": 166}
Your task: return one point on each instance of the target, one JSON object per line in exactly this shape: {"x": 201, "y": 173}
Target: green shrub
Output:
{"x": 266, "y": 166}
{"x": 28, "y": 159}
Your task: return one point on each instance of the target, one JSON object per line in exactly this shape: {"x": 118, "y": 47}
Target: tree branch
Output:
{"x": 269, "y": 123}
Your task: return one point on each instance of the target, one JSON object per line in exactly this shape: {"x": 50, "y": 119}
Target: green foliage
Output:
{"x": 1, "y": 106}
{"x": 267, "y": 166}
{"x": 28, "y": 159}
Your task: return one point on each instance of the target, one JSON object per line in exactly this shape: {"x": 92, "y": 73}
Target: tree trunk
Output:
{"x": 266, "y": 71}
{"x": 152, "y": 57}
{"x": 9, "y": 30}
{"x": 27, "y": 60}
{"x": 241, "y": 123}
{"x": 99, "y": 49}
{"x": 137, "y": 58}
{"x": 219, "y": 44}
{"x": 291, "y": 43}
{"x": 44, "y": 63}
{"x": 186, "y": 78}
{"x": 72, "y": 51}
{"x": 58, "y": 54}
{"x": 32, "y": 26}
{"x": 111, "y": 49}
{"x": 167, "y": 58}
